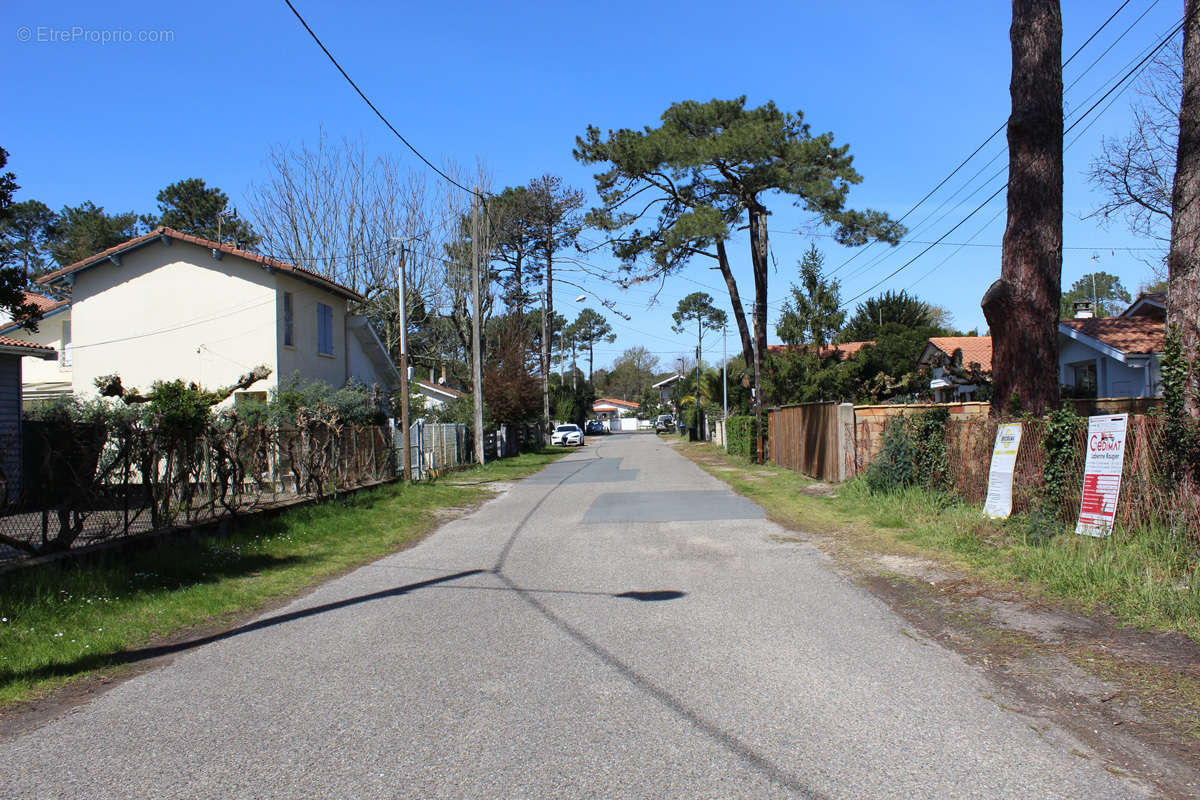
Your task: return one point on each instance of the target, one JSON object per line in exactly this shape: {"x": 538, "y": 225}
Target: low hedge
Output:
{"x": 741, "y": 435}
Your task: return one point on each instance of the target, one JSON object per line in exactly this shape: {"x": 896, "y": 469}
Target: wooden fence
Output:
{"x": 814, "y": 438}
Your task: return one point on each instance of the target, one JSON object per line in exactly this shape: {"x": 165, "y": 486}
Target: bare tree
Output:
{"x": 1022, "y": 306}
{"x": 335, "y": 210}
{"x": 1183, "y": 263}
{"x": 1136, "y": 172}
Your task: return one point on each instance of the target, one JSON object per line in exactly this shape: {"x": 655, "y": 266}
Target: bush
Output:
{"x": 741, "y": 436}
{"x": 894, "y": 467}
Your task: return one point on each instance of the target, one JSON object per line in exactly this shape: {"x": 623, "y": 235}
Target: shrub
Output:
{"x": 894, "y": 466}
{"x": 741, "y": 436}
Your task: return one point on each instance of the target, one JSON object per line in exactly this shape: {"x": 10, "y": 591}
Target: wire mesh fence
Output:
{"x": 1149, "y": 496}
{"x": 85, "y": 483}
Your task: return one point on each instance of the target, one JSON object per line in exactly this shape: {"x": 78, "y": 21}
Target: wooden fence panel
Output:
{"x": 805, "y": 438}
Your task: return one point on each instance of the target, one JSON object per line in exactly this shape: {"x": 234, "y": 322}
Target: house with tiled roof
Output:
{"x": 44, "y": 379}
{"x": 13, "y": 353}
{"x": 614, "y": 408}
{"x": 959, "y": 366}
{"x": 1111, "y": 357}
{"x": 168, "y": 305}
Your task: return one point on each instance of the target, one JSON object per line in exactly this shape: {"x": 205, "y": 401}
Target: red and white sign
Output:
{"x": 1102, "y": 474}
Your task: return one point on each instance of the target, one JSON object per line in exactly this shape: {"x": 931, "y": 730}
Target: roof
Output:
{"x": 161, "y": 233}
{"x": 975, "y": 349}
{"x": 842, "y": 351}
{"x": 1131, "y": 335}
{"x": 614, "y": 402}
{"x": 665, "y": 381}
{"x": 440, "y": 388}
{"x": 45, "y": 306}
{"x": 17, "y": 347}
{"x": 1148, "y": 304}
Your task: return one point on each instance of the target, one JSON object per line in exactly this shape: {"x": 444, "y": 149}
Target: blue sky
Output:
{"x": 913, "y": 88}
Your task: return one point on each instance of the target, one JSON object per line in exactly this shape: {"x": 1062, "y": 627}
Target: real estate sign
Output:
{"x": 1000, "y": 476}
{"x": 1102, "y": 474}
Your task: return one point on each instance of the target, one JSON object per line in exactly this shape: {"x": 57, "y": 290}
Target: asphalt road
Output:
{"x": 619, "y": 625}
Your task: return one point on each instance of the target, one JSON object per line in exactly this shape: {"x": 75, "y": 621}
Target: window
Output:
{"x": 288, "y": 321}
{"x": 65, "y": 360}
{"x": 324, "y": 329}
{"x": 1085, "y": 378}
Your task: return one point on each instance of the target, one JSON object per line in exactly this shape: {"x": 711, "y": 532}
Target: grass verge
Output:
{"x": 1147, "y": 578}
{"x": 61, "y": 622}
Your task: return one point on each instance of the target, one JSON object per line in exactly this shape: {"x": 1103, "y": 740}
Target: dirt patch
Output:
{"x": 1130, "y": 696}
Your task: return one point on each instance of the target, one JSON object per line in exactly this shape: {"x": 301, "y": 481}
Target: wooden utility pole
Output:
{"x": 476, "y": 345}
{"x": 1183, "y": 261}
{"x": 403, "y": 320}
{"x": 1022, "y": 306}
{"x": 545, "y": 373}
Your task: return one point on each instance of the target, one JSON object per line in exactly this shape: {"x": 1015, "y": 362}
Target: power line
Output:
{"x": 996, "y": 132}
{"x": 1123, "y": 80}
{"x": 372, "y": 106}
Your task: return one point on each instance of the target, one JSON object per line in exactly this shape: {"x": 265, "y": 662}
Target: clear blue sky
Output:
{"x": 911, "y": 87}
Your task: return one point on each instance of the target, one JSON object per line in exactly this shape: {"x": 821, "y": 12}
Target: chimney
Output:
{"x": 1083, "y": 309}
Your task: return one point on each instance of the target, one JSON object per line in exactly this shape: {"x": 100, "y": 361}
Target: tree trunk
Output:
{"x": 735, "y": 300}
{"x": 758, "y": 257}
{"x": 1183, "y": 287}
{"x": 1022, "y": 307}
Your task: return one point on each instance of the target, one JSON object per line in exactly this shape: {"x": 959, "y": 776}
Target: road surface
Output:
{"x": 619, "y": 625}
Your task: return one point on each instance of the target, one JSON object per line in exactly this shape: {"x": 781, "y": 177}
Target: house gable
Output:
{"x": 162, "y": 312}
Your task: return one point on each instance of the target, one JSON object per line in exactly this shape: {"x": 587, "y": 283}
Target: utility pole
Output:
{"x": 403, "y": 320}
{"x": 574, "y": 371}
{"x": 545, "y": 372}
{"x": 724, "y": 386}
{"x": 476, "y": 349}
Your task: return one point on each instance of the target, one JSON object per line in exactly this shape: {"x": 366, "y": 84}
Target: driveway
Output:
{"x": 618, "y": 625}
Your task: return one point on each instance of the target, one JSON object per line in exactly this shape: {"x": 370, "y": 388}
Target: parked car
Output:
{"x": 567, "y": 435}
{"x": 593, "y": 426}
{"x": 664, "y": 424}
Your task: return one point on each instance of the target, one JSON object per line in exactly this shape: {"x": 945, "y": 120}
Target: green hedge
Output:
{"x": 741, "y": 435}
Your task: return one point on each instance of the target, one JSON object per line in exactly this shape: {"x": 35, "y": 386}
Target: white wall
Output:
{"x": 172, "y": 312}
{"x": 50, "y": 332}
{"x": 302, "y": 356}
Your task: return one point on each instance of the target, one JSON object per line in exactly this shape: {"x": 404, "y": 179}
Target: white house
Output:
{"x": 12, "y": 353}
{"x": 612, "y": 408}
{"x": 169, "y": 305}
{"x": 45, "y": 379}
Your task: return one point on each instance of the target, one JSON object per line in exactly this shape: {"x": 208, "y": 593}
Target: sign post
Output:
{"x": 1102, "y": 474}
{"x": 1000, "y": 475}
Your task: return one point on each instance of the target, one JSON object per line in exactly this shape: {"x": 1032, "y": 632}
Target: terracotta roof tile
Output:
{"x": 1134, "y": 335}
{"x": 844, "y": 350}
{"x": 45, "y": 304}
{"x": 8, "y": 341}
{"x": 975, "y": 349}
{"x": 256, "y": 258}
{"x": 615, "y": 401}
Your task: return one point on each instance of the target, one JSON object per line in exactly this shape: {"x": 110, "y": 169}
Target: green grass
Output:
{"x": 1144, "y": 577}
{"x": 61, "y": 622}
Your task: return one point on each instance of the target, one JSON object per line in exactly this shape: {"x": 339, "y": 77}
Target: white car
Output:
{"x": 566, "y": 435}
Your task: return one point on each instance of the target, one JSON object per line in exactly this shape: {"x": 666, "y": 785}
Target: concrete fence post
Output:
{"x": 845, "y": 441}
